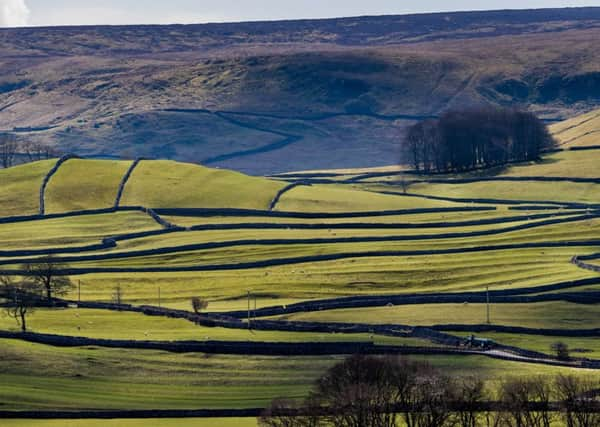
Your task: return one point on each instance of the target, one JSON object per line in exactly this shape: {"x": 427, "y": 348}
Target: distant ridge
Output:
{"x": 255, "y": 88}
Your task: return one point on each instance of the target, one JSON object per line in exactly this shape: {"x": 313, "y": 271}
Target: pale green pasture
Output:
{"x": 559, "y": 315}
{"x": 135, "y": 326}
{"x": 343, "y": 198}
{"x": 532, "y": 191}
{"x": 34, "y": 376}
{"x": 383, "y": 275}
{"x": 20, "y": 188}
{"x": 167, "y": 184}
{"x": 85, "y": 184}
{"x": 72, "y": 231}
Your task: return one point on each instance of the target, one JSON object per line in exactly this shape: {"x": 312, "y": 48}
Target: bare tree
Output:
{"x": 39, "y": 151}
{"x": 21, "y": 299}
{"x": 466, "y": 139}
{"x": 8, "y": 149}
{"x": 117, "y": 296}
{"x": 47, "y": 273}
{"x": 358, "y": 392}
{"x": 405, "y": 184}
{"x": 526, "y": 402}
{"x": 286, "y": 413}
{"x": 561, "y": 350}
{"x": 470, "y": 396}
{"x": 199, "y": 304}
{"x": 579, "y": 400}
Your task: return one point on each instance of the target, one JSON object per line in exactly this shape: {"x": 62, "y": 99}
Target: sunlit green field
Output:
{"x": 73, "y": 231}
{"x": 34, "y": 376}
{"x": 20, "y": 189}
{"x": 62, "y": 378}
{"x": 385, "y": 275}
{"x": 84, "y": 184}
{"x": 124, "y": 325}
{"x": 559, "y": 315}
{"x": 158, "y": 184}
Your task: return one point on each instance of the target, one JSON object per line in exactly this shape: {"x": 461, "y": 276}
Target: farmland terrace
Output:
{"x": 299, "y": 270}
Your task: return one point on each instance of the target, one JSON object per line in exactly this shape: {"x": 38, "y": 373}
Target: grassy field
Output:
{"x": 573, "y": 164}
{"x": 497, "y": 269}
{"x": 37, "y": 376}
{"x": 122, "y": 325}
{"x": 166, "y": 184}
{"x": 559, "y": 315}
{"x": 73, "y": 231}
{"x": 20, "y": 188}
{"x": 530, "y": 191}
{"x": 579, "y": 347}
{"x": 85, "y": 184}
{"x": 579, "y": 131}
{"x": 327, "y": 198}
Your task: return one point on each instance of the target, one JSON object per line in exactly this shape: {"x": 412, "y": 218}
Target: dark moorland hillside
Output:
{"x": 269, "y": 97}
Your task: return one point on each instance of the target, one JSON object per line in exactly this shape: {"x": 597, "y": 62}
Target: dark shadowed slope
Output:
{"x": 270, "y": 97}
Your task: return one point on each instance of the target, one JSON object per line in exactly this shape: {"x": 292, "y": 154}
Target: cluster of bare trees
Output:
{"x": 11, "y": 151}
{"x": 464, "y": 140}
{"x": 366, "y": 391}
{"x": 42, "y": 281}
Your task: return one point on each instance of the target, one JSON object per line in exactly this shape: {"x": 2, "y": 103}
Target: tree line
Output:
{"x": 477, "y": 138}
{"x": 13, "y": 152}
{"x": 389, "y": 391}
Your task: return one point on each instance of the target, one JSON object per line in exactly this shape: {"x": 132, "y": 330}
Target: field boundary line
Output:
{"x": 47, "y": 178}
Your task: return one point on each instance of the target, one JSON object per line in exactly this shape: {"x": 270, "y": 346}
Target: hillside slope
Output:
{"x": 580, "y": 131}
{"x": 263, "y": 98}
{"x": 82, "y": 184}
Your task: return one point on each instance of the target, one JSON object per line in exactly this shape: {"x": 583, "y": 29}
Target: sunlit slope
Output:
{"x": 20, "y": 188}
{"x": 84, "y": 184}
{"x": 328, "y": 198}
{"x": 580, "y": 131}
{"x": 568, "y": 164}
{"x": 168, "y": 184}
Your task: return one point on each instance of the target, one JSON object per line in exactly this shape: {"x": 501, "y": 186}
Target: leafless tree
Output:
{"x": 8, "y": 149}
{"x": 405, "y": 184}
{"x": 199, "y": 304}
{"x": 21, "y": 299}
{"x": 470, "y": 396}
{"x": 39, "y": 151}
{"x": 561, "y": 350}
{"x": 579, "y": 400}
{"x": 358, "y": 392}
{"x": 47, "y": 273}
{"x": 286, "y": 413}
{"x": 117, "y": 296}
{"x": 526, "y": 402}
{"x": 465, "y": 139}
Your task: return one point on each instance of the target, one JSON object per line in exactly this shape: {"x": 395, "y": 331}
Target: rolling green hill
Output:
{"x": 167, "y": 184}
{"x": 580, "y": 131}
{"x": 20, "y": 188}
{"x": 84, "y": 184}
{"x": 358, "y": 235}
